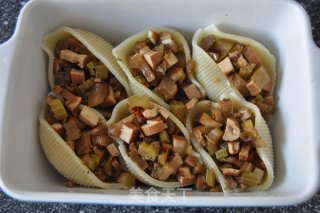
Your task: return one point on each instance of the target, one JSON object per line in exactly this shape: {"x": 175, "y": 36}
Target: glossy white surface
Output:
{"x": 26, "y": 174}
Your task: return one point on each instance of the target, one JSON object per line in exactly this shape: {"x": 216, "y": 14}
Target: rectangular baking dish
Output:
{"x": 282, "y": 26}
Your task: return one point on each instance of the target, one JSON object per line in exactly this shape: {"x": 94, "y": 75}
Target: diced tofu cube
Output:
{"x": 240, "y": 84}
{"x": 226, "y": 66}
{"x": 73, "y": 57}
{"x": 77, "y": 76}
{"x": 153, "y": 128}
{"x": 208, "y": 121}
{"x": 230, "y": 172}
{"x": 244, "y": 152}
{"x": 110, "y": 100}
{"x": 185, "y": 172}
{"x": 251, "y": 55}
{"x": 129, "y": 132}
{"x": 153, "y": 58}
{"x": 142, "y": 65}
{"x": 177, "y": 74}
{"x": 89, "y": 116}
{"x": 185, "y": 181}
{"x": 226, "y": 107}
{"x": 192, "y": 91}
{"x": 170, "y": 59}
{"x": 179, "y": 144}
{"x": 191, "y": 161}
{"x": 153, "y": 37}
{"x": 207, "y": 43}
{"x": 113, "y": 150}
{"x": 176, "y": 161}
{"x": 150, "y": 113}
{"x": 167, "y": 88}
{"x": 258, "y": 81}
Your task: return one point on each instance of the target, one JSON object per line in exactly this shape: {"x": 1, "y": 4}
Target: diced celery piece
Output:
{"x": 127, "y": 179}
{"x": 211, "y": 147}
{"x": 58, "y": 109}
{"x": 101, "y": 71}
{"x": 247, "y": 124}
{"x": 210, "y": 178}
{"x": 259, "y": 97}
{"x": 91, "y": 66}
{"x": 148, "y": 151}
{"x": 86, "y": 85}
{"x": 215, "y": 136}
{"x": 164, "y": 136}
{"x": 221, "y": 153}
{"x": 180, "y": 110}
{"x": 250, "y": 178}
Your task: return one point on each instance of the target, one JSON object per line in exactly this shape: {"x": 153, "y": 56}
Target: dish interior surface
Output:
{"x": 25, "y": 172}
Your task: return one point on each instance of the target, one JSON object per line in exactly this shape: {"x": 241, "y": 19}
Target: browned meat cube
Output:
{"x": 153, "y": 127}
{"x": 89, "y": 116}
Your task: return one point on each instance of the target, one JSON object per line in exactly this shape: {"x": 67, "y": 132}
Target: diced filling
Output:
{"x": 159, "y": 148}
{"x": 83, "y": 131}
{"x": 242, "y": 65}
{"x": 231, "y": 139}
{"x": 160, "y": 64}
{"x": 78, "y": 70}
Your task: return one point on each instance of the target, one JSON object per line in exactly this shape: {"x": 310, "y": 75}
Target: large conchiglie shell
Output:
{"x": 121, "y": 111}
{"x": 207, "y": 71}
{"x": 64, "y": 159}
{"x": 123, "y": 50}
{"x": 94, "y": 43}
{"x": 265, "y": 153}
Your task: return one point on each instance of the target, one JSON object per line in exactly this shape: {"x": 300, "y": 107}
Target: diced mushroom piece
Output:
{"x": 179, "y": 144}
{"x": 240, "y": 85}
{"x": 258, "y": 81}
{"x": 191, "y": 160}
{"x": 153, "y": 37}
{"x": 113, "y": 150}
{"x": 237, "y": 59}
{"x": 201, "y": 183}
{"x": 226, "y": 107}
{"x": 243, "y": 114}
{"x": 208, "y": 121}
{"x": 176, "y": 161}
{"x": 170, "y": 59}
{"x": 226, "y": 66}
{"x": 230, "y": 172}
{"x": 129, "y": 132}
{"x": 84, "y": 145}
{"x": 58, "y": 128}
{"x": 110, "y": 99}
{"x": 101, "y": 140}
{"x": 192, "y": 91}
{"x": 153, "y": 127}
{"x": 167, "y": 88}
{"x": 251, "y": 55}
{"x": 232, "y": 131}
{"x": 233, "y": 147}
{"x": 77, "y": 76}
{"x": 73, "y": 57}
{"x": 150, "y": 113}
{"x": 153, "y": 58}
{"x": 142, "y": 65}
{"x": 161, "y": 68}
{"x": 89, "y": 116}
{"x": 177, "y": 74}
{"x": 97, "y": 94}
{"x": 207, "y": 43}
{"x": 244, "y": 152}
{"x": 167, "y": 40}
{"x": 149, "y": 151}
{"x": 73, "y": 131}
{"x": 216, "y": 114}
{"x": 190, "y": 104}
{"x": 264, "y": 108}
{"x": 163, "y": 172}
{"x": 134, "y": 155}
{"x": 199, "y": 137}
{"x": 231, "y": 183}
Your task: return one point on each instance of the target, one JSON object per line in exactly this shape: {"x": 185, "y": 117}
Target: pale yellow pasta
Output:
{"x": 207, "y": 71}
{"x": 100, "y": 48}
{"x": 123, "y": 50}
{"x": 265, "y": 153}
{"x": 64, "y": 159}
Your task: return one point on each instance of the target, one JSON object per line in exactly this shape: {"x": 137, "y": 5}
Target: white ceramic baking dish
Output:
{"x": 282, "y": 26}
